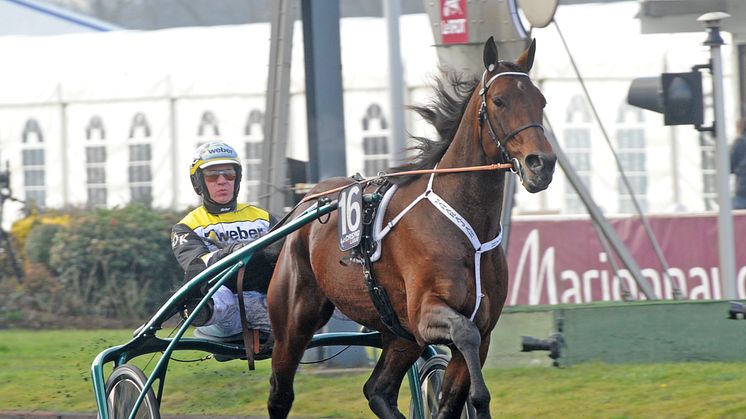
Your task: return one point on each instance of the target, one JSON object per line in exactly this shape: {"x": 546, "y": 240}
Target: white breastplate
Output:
{"x": 379, "y": 231}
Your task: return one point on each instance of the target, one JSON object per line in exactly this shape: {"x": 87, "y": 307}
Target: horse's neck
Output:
{"x": 466, "y": 147}
{"x": 477, "y": 196}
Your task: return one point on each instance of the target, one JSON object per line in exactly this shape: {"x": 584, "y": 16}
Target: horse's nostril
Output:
{"x": 541, "y": 162}
{"x": 534, "y": 162}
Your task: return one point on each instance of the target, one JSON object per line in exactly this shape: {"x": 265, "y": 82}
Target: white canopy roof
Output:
{"x": 29, "y": 17}
{"x": 233, "y": 60}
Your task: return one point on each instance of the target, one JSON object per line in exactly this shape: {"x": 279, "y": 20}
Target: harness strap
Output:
{"x": 391, "y": 224}
{"x": 509, "y": 135}
{"x": 486, "y": 85}
{"x": 470, "y": 234}
{"x": 516, "y": 131}
{"x": 465, "y": 228}
{"x": 382, "y": 302}
{"x": 378, "y": 295}
{"x": 250, "y": 340}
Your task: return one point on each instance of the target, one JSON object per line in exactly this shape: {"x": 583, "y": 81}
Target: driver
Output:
{"x": 214, "y": 230}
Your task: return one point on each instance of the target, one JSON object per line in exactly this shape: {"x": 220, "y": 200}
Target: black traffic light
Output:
{"x": 678, "y": 96}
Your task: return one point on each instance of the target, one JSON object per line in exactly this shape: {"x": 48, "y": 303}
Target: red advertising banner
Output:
{"x": 563, "y": 262}
{"x": 453, "y": 27}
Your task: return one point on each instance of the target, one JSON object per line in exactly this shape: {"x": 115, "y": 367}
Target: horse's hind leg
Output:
{"x": 297, "y": 308}
{"x": 442, "y": 324}
{"x": 382, "y": 388}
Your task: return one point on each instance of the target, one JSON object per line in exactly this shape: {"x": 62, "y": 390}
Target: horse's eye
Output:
{"x": 498, "y": 102}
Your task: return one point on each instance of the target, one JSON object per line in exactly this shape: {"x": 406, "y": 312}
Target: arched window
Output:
{"x": 95, "y": 128}
{"x": 139, "y": 127}
{"x": 631, "y": 150}
{"x": 31, "y": 131}
{"x": 577, "y": 147}
{"x": 375, "y": 140}
{"x": 95, "y": 162}
{"x": 33, "y": 163}
{"x": 139, "y": 171}
{"x": 208, "y": 125}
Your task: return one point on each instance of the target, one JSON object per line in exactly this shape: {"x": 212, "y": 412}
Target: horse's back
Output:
{"x": 319, "y": 190}
{"x": 320, "y": 234}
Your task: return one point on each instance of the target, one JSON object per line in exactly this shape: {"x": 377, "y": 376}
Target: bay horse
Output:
{"x": 439, "y": 290}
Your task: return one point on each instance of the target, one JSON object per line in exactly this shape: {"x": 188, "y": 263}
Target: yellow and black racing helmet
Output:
{"x": 212, "y": 154}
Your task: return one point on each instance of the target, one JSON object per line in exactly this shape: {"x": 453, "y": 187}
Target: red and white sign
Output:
{"x": 453, "y": 27}
{"x": 563, "y": 262}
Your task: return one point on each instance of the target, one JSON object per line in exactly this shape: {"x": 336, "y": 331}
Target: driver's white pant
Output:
{"x": 226, "y": 315}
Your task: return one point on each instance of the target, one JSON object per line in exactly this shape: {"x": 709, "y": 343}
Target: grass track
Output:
{"x": 49, "y": 371}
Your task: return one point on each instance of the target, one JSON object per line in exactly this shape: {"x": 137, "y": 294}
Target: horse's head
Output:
{"x": 510, "y": 118}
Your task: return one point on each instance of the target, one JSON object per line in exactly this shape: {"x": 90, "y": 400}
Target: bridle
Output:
{"x": 483, "y": 117}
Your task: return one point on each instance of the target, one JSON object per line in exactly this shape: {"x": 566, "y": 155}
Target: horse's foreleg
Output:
{"x": 442, "y": 324}
{"x": 382, "y": 388}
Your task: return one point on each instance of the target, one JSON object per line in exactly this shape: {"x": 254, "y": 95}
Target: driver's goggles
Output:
{"x": 213, "y": 175}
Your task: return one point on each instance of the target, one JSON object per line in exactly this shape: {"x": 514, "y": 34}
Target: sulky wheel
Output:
{"x": 122, "y": 390}
{"x": 431, "y": 380}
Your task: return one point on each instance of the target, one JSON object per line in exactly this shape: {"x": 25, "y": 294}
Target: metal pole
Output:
{"x": 176, "y": 169}
{"x": 391, "y": 11}
{"x": 675, "y": 165}
{"x": 726, "y": 240}
{"x": 506, "y": 216}
{"x": 64, "y": 144}
{"x": 622, "y": 176}
{"x": 277, "y": 105}
{"x": 324, "y": 94}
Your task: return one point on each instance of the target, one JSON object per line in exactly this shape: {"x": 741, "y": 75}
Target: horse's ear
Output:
{"x": 490, "y": 54}
{"x": 526, "y": 60}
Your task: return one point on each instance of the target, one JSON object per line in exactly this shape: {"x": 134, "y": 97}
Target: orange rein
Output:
{"x": 487, "y": 167}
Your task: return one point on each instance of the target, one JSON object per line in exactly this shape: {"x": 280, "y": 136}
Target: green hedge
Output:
{"x": 115, "y": 263}
{"x": 39, "y": 243}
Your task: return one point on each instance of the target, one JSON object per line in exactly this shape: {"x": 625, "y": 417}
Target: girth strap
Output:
{"x": 382, "y": 302}
{"x": 378, "y": 295}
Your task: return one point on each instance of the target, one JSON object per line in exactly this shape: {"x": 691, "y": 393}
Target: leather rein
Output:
{"x": 511, "y": 162}
{"x": 486, "y": 167}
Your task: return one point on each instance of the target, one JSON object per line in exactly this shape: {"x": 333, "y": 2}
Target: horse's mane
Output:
{"x": 444, "y": 112}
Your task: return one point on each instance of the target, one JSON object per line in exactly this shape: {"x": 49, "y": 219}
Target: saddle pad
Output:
{"x": 378, "y": 222}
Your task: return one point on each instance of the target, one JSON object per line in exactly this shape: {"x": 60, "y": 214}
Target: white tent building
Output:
{"x": 103, "y": 119}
